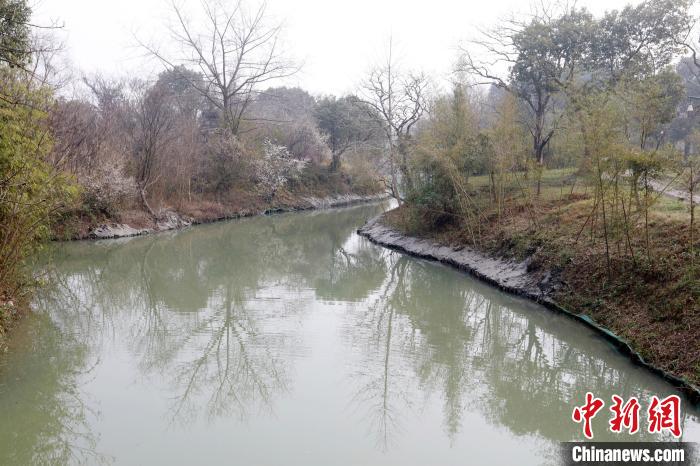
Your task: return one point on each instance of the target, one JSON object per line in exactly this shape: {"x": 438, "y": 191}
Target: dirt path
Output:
{"x": 674, "y": 193}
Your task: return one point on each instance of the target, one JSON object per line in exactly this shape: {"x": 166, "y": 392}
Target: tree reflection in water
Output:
{"x": 428, "y": 329}
{"x": 42, "y": 397}
{"x": 208, "y": 316}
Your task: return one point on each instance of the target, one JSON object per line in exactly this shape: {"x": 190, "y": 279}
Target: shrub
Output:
{"x": 225, "y": 164}
{"x": 106, "y": 191}
{"x": 30, "y": 191}
{"x": 276, "y": 168}
{"x": 434, "y": 196}
{"x": 362, "y": 177}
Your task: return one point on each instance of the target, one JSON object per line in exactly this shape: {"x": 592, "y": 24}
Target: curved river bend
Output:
{"x": 290, "y": 340}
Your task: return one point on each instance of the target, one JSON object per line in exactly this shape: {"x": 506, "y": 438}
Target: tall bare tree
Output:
{"x": 234, "y": 49}
{"x": 399, "y": 100}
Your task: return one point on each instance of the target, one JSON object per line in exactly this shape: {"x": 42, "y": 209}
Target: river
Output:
{"x": 291, "y": 340}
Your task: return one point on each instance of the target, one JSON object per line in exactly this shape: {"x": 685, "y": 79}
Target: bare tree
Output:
{"x": 153, "y": 132}
{"x": 76, "y": 134}
{"x": 235, "y": 51}
{"x": 399, "y": 101}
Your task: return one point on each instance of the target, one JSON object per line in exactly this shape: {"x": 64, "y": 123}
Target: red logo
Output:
{"x": 665, "y": 415}
{"x": 662, "y": 414}
{"x": 587, "y": 412}
{"x": 626, "y": 415}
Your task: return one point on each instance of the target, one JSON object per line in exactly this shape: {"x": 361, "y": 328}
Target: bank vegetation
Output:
{"x": 568, "y": 161}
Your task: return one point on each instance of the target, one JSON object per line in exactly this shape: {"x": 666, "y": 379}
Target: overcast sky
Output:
{"x": 337, "y": 41}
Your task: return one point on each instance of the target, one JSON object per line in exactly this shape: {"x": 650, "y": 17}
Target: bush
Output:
{"x": 276, "y": 168}
{"x": 362, "y": 177}
{"x": 225, "y": 163}
{"x": 30, "y": 191}
{"x": 106, "y": 192}
{"x": 433, "y": 197}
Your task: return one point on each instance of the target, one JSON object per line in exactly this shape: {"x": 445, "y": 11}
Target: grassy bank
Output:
{"x": 650, "y": 297}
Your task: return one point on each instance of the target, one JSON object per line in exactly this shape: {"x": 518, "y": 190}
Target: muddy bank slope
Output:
{"x": 171, "y": 220}
{"x": 509, "y": 276}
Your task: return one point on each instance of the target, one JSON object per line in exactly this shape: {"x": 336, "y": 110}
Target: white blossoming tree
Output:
{"x": 276, "y": 168}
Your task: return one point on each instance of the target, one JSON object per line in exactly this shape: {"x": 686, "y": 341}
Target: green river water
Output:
{"x": 290, "y": 340}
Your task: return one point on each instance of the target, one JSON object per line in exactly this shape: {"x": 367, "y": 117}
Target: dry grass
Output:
{"x": 136, "y": 218}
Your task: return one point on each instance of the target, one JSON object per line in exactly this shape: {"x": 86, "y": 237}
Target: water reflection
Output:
{"x": 43, "y": 409}
{"x": 519, "y": 365}
{"x": 218, "y": 320}
{"x": 205, "y": 308}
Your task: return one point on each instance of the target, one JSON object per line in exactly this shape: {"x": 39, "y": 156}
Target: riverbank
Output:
{"x": 11, "y": 309}
{"x": 620, "y": 311}
{"x": 137, "y": 222}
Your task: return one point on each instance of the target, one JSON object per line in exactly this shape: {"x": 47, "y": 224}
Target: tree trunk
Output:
{"x": 539, "y": 157}
{"x": 392, "y": 168}
{"x": 335, "y": 162}
{"x": 142, "y": 192}
{"x": 691, "y": 189}
{"x": 403, "y": 167}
